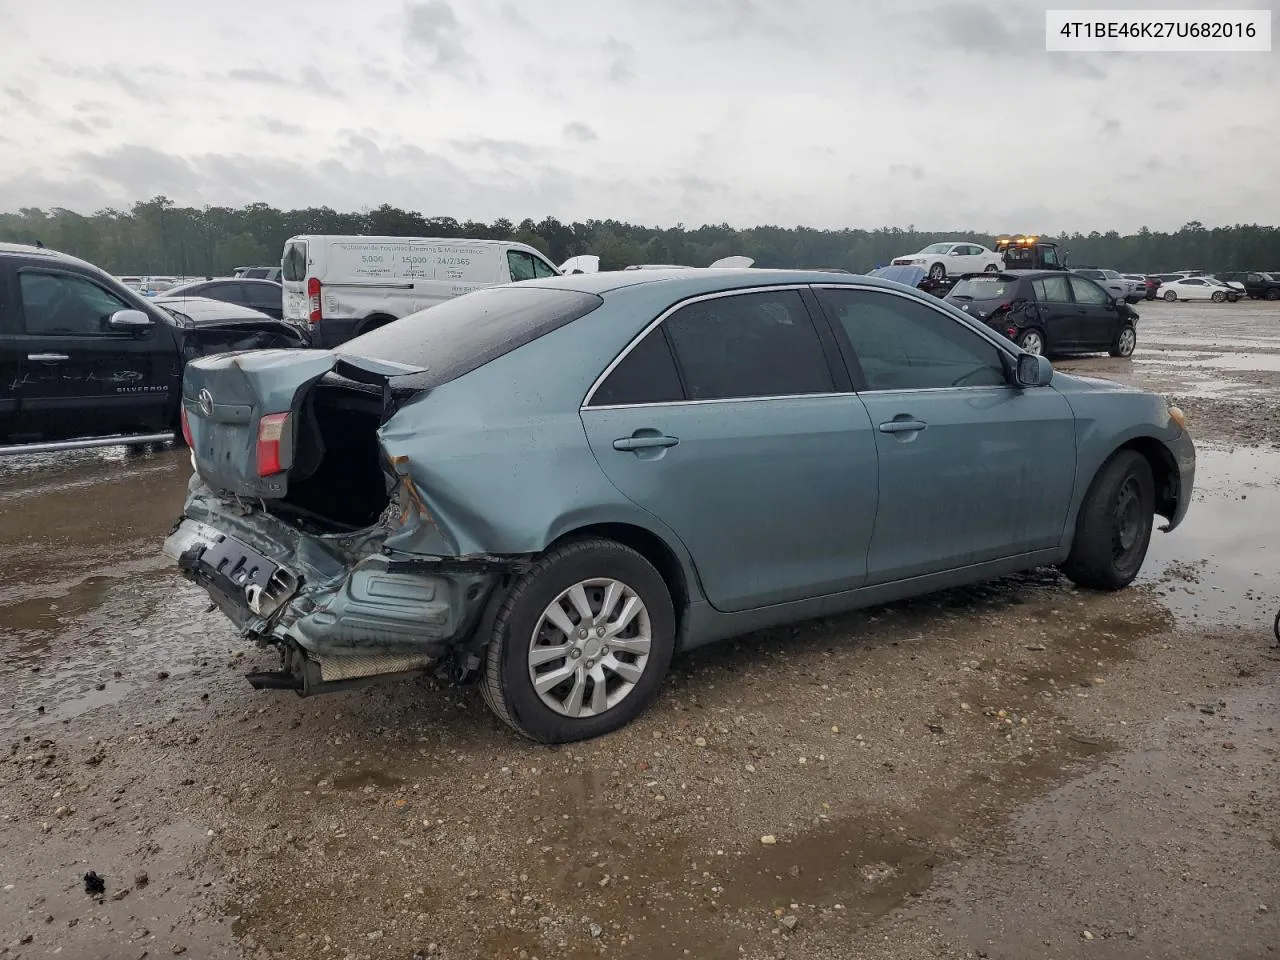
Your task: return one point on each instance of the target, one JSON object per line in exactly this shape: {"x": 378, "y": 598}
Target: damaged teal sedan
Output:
{"x": 554, "y": 486}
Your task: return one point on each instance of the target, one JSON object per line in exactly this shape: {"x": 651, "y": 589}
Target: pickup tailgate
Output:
{"x": 225, "y": 398}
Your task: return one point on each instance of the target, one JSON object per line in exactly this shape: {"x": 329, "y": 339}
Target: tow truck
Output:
{"x": 1019, "y": 252}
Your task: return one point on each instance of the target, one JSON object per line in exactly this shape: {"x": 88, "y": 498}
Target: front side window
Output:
{"x": 1050, "y": 256}
{"x": 937, "y": 248}
{"x": 59, "y": 304}
{"x": 1052, "y": 289}
{"x": 1086, "y": 291}
{"x": 521, "y": 265}
{"x": 749, "y": 345}
{"x": 902, "y": 344}
{"x": 543, "y": 269}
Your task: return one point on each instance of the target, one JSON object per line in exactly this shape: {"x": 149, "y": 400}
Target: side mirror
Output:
{"x": 1033, "y": 371}
{"x": 129, "y": 321}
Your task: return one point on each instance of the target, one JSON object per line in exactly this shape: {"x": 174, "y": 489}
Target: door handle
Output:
{"x": 47, "y": 357}
{"x": 644, "y": 442}
{"x": 903, "y": 426}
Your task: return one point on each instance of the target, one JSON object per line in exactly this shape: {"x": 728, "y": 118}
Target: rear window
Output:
{"x": 455, "y": 337}
{"x": 294, "y": 261}
{"x": 982, "y": 289}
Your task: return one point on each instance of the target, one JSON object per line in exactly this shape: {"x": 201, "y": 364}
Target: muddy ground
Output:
{"x": 1018, "y": 770}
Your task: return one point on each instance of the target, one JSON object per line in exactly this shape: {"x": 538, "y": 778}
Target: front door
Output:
{"x": 1099, "y": 319}
{"x": 971, "y": 468}
{"x": 81, "y": 378}
{"x": 731, "y": 422}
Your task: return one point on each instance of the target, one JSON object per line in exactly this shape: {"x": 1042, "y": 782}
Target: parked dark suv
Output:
{"x": 265, "y": 296}
{"x": 1257, "y": 285}
{"x": 83, "y": 358}
{"x": 1050, "y": 312}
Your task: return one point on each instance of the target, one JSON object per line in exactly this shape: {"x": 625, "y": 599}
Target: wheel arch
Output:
{"x": 373, "y": 321}
{"x": 1164, "y": 470}
{"x": 654, "y": 549}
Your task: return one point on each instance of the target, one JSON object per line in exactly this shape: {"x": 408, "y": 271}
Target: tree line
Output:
{"x": 157, "y": 237}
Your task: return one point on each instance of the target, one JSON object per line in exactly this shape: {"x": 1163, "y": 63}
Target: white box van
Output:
{"x": 344, "y": 286}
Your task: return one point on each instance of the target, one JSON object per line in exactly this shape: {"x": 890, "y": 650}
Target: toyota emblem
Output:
{"x": 206, "y": 403}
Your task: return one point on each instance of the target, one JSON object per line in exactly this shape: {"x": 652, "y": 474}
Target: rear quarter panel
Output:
{"x": 500, "y": 455}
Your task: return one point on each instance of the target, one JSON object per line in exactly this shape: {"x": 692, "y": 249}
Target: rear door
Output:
{"x": 1061, "y": 322}
{"x": 79, "y": 377}
{"x": 971, "y": 468}
{"x": 731, "y": 421}
{"x": 1096, "y": 309}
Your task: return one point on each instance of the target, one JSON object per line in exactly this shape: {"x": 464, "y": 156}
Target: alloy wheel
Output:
{"x": 590, "y": 647}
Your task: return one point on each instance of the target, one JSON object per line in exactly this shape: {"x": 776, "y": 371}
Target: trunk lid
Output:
{"x": 225, "y": 398}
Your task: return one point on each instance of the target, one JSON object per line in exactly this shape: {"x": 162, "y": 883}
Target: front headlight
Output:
{"x": 1178, "y": 417}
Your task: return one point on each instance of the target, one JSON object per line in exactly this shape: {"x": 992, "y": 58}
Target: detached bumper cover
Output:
{"x": 1184, "y": 455}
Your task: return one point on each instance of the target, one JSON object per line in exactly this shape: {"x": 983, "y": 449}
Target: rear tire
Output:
{"x": 374, "y": 322}
{"x": 991, "y": 268}
{"x": 1272, "y": 294}
{"x": 1031, "y": 341}
{"x": 1113, "y": 529}
{"x": 1170, "y": 296}
{"x": 525, "y": 634}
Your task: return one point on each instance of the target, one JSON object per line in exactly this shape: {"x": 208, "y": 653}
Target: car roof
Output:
{"x": 691, "y": 281}
{"x": 56, "y": 256}
{"x": 205, "y": 308}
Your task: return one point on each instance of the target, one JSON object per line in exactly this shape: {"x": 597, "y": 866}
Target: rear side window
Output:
{"x": 1052, "y": 290}
{"x": 295, "y": 261}
{"x": 9, "y": 322}
{"x": 460, "y": 335}
{"x": 645, "y": 375}
{"x": 749, "y": 345}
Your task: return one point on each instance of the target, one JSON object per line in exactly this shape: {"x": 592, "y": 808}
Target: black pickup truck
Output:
{"x": 1257, "y": 285}
{"x": 83, "y": 358}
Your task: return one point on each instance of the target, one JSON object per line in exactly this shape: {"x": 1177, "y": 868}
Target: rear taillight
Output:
{"x": 186, "y": 425}
{"x": 313, "y": 299}
{"x": 275, "y": 449}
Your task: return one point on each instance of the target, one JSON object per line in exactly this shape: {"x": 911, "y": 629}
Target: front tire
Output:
{"x": 1218, "y": 296}
{"x": 581, "y": 644}
{"x": 1113, "y": 529}
{"x": 938, "y": 272}
{"x": 1125, "y": 342}
{"x": 1170, "y": 296}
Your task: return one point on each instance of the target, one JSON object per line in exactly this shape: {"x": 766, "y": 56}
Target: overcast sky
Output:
{"x": 824, "y": 113}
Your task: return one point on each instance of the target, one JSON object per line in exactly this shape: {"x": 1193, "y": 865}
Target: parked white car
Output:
{"x": 942, "y": 260}
{"x": 1117, "y": 284}
{"x": 1196, "y": 288}
{"x": 345, "y": 286}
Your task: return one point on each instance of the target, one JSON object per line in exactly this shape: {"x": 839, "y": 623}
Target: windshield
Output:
{"x": 937, "y": 248}
{"x": 981, "y": 288}
{"x": 460, "y": 335}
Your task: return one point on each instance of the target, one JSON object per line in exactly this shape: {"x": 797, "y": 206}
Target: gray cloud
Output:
{"x": 498, "y": 149}
{"x": 77, "y": 126}
{"x": 257, "y": 75}
{"x": 280, "y": 127}
{"x": 583, "y": 133}
{"x": 621, "y": 57}
{"x": 913, "y": 170}
{"x": 20, "y": 101}
{"x": 432, "y": 27}
{"x": 1110, "y": 127}
{"x": 1007, "y": 32}
{"x": 316, "y": 82}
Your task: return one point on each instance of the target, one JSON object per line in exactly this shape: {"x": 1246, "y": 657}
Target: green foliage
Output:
{"x": 156, "y": 237}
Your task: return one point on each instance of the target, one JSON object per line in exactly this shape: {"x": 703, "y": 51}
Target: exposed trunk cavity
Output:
{"x": 338, "y": 480}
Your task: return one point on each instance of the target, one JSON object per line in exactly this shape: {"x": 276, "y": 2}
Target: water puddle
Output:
{"x": 1223, "y": 562}
{"x": 1268, "y": 362}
